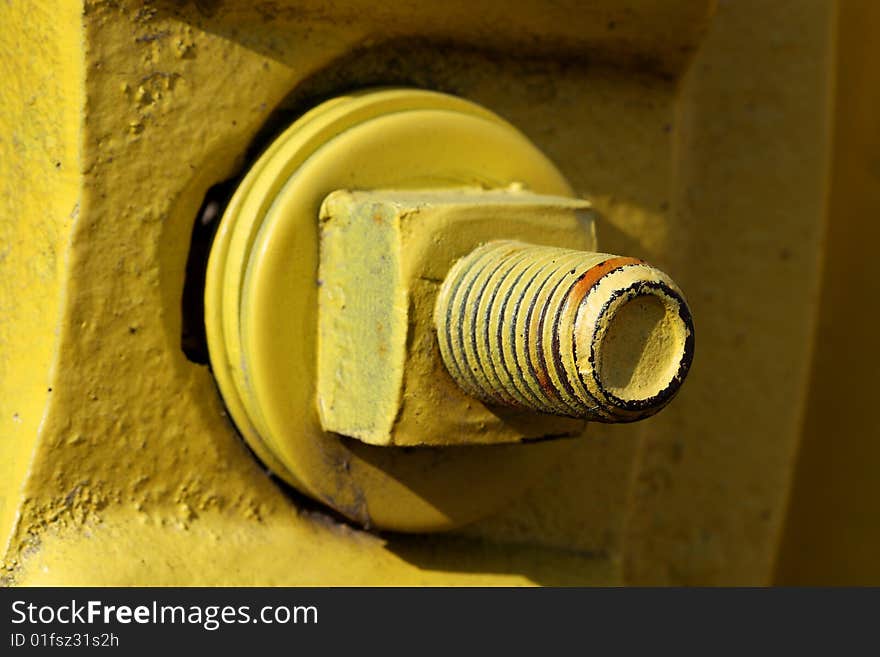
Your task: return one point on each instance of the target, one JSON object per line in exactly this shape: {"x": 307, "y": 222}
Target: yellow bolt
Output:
{"x": 587, "y": 335}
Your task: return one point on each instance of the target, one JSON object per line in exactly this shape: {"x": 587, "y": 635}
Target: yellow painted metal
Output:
{"x": 832, "y": 532}
{"x": 41, "y": 100}
{"x": 235, "y": 239}
{"x": 384, "y": 255}
{"x": 130, "y": 472}
{"x": 261, "y": 301}
{"x": 576, "y": 333}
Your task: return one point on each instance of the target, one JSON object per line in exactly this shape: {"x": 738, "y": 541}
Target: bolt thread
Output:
{"x": 523, "y": 326}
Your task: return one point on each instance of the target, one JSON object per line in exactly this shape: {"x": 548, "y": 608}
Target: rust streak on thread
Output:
{"x": 656, "y": 352}
{"x": 591, "y": 277}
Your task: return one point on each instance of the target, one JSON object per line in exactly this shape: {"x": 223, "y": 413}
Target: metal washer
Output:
{"x": 260, "y": 302}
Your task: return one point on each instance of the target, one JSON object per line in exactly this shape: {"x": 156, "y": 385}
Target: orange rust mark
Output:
{"x": 544, "y": 382}
{"x": 592, "y": 276}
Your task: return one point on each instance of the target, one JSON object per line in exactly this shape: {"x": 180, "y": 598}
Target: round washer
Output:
{"x": 261, "y": 302}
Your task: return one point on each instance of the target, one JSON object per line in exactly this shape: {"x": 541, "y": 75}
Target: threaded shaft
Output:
{"x": 587, "y": 335}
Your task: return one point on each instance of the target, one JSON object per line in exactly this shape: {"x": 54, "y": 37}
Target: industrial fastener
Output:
{"x": 573, "y": 333}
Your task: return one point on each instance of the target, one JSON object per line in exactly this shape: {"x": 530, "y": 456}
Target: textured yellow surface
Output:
{"x": 384, "y": 256}
{"x": 41, "y": 102}
{"x": 715, "y": 173}
{"x": 833, "y": 526}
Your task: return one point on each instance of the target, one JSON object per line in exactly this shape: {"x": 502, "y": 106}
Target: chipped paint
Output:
{"x": 552, "y": 340}
{"x": 124, "y": 467}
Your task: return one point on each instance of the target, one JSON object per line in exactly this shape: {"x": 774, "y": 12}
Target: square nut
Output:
{"x": 384, "y": 255}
